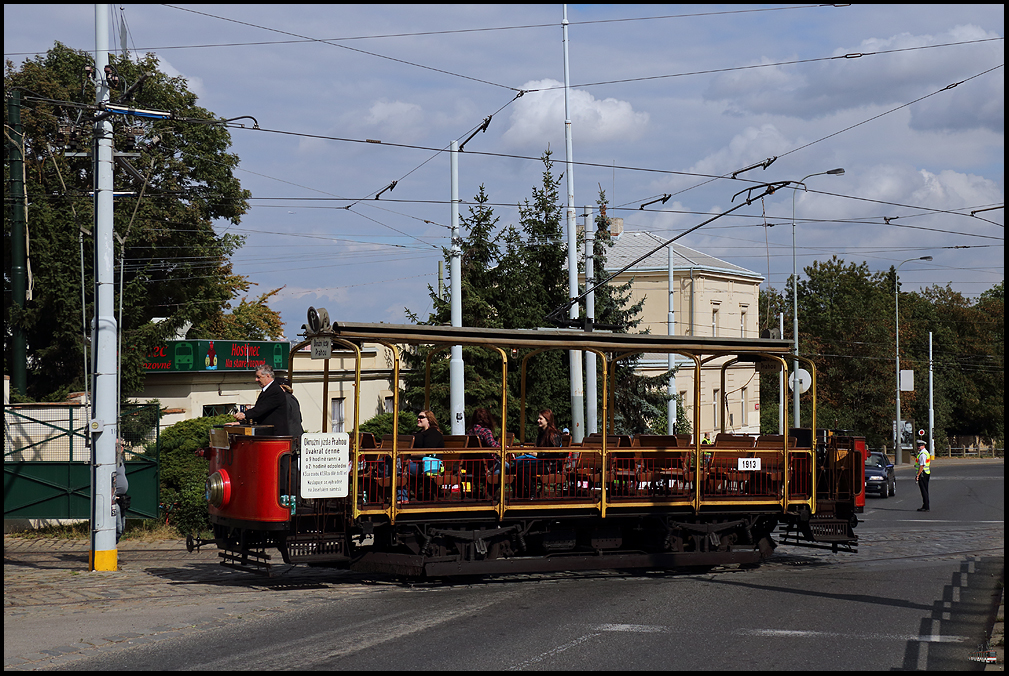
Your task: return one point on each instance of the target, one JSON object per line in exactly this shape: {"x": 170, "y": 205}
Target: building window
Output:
{"x": 742, "y": 321}
{"x": 714, "y": 321}
{"x": 218, "y": 409}
{"x": 337, "y": 415}
{"x": 389, "y": 404}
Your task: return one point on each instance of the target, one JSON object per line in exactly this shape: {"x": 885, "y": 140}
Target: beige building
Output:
{"x": 710, "y": 298}
{"x": 193, "y": 394}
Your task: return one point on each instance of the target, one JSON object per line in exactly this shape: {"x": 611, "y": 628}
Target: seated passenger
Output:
{"x": 545, "y": 463}
{"x": 483, "y": 427}
{"x": 428, "y": 435}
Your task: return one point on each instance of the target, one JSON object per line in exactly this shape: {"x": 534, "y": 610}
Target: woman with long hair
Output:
{"x": 483, "y": 428}
{"x": 428, "y": 434}
{"x": 528, "y": 471}
{"x": 549, "y": 435}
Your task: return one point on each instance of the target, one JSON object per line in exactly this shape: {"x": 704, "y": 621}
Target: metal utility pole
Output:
{"x": 591, "y": 392}
{"x": 103, "y": 425}
{"x": 781, "y": 380}
{"x": 457, "y": 397}
{"x": 574, "y": 356}
{"x": 931, "y": 409}
{"x": 671, "y": 331}
{"x": 898, "y": 428}
{"x": 19, "y": 378}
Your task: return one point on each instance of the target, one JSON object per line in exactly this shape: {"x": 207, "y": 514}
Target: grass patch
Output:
{"x": 66, "y": 531}
{"x": 137, "y": 530}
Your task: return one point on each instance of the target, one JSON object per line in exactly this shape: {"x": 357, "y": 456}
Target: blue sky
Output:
{"x": 663, "y": 97}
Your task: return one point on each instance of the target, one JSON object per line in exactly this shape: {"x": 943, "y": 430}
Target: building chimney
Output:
{"x": 616, "y": 226}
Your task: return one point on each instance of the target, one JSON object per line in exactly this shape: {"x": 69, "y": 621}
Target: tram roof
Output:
{"x": 557, "y": 338}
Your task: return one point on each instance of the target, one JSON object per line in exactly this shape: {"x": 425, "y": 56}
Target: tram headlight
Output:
{"x": 218, "y": 491}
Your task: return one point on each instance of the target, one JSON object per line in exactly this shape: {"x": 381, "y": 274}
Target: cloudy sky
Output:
{"x": 664, "y": 99}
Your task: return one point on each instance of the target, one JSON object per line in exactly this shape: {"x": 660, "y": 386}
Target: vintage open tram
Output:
{"x": 614, "y": 501}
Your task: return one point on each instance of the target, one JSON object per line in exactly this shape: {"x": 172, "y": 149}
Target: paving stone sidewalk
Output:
{"x": 56, "y": 611}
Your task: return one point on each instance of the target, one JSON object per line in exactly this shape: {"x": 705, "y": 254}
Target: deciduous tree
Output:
{"x": 176, "y": 265}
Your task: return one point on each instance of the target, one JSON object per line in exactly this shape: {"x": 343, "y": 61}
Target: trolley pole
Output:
{"x": 103, "y": 425}
{"x": 457, "y": 398}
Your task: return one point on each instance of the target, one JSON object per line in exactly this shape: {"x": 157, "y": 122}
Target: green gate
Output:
{"x": 47, "y": 460}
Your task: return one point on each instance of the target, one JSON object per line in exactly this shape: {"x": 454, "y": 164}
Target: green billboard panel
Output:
{"x": 217, "y": 355}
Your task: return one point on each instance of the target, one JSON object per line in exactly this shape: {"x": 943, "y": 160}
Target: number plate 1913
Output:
{"x": 749, "y": 464}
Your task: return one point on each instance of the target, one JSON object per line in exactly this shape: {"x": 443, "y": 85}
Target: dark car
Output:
{"x": 879, "y": 477}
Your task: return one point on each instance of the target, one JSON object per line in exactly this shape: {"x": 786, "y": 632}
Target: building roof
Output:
{"x": 629, "y": 246}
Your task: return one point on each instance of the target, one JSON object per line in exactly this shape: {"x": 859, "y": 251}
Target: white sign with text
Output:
{"x": 325, "y": 465}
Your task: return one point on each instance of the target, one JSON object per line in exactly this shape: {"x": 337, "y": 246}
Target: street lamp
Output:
{"x": 896, "y": 324}
{"x": 795, "y": 301}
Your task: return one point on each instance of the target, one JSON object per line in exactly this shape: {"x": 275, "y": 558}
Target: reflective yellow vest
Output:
{"x": 928, "y": 461}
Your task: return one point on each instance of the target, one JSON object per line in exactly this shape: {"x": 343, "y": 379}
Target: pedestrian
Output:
{"x": 122, "y": 486}
{"x": 923, "y": 462}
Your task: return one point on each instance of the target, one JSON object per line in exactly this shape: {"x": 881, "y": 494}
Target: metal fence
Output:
{"x": 970, "y": 452}
{"x": 46, "y": 433}
{"x": 47, "y": 460}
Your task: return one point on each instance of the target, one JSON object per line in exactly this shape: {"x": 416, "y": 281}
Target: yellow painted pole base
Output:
{"x": 104, "y": 560}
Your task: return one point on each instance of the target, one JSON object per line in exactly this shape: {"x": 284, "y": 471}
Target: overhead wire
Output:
{"x": 459, "y": 30}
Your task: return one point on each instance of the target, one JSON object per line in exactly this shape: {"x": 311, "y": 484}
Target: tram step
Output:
{"x": 313, "y": 548}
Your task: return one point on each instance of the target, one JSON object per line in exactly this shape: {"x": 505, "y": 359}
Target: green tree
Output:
{"x": 251, "y": 320}
{"x": 176, "y": 265}
{"x": 510, "y": 279}
{"x": 843, "y": 312}
{"x": 771, "y": 304}
{"x": 513, "y": 278}
{"x": 184, "y": 474}
{"x": 969, "y": 359}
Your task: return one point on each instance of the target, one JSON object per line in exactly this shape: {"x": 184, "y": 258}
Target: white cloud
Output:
{"x": 814, "y": 90}
{"x": 539, "y": 116}
{"x": 194, "y": 84}
{"x": 752, "y": 145}
{"x": 397, "y": 120}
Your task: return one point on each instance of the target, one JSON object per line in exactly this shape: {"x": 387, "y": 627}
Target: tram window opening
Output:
{"x": 716, "y": 403}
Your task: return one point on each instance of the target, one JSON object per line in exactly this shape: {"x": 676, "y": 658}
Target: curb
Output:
{"x": 997, "y": 638}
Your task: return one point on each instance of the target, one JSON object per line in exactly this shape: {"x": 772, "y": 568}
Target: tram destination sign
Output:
{"x": 325, "y": 465}
{"x": 217, "y": 355}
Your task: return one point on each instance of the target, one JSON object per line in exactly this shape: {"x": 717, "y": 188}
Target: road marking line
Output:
{"x": 555, "y": 651}
{"x": 635, "y": 628}
{"x": 934, "y": 637}
{"x": 943, "y": 521}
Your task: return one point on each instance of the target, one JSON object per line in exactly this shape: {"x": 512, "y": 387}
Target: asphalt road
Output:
{"x": 920, "y": 593}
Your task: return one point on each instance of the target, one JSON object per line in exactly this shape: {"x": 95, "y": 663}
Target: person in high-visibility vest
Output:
{"x": 923, "y": 462}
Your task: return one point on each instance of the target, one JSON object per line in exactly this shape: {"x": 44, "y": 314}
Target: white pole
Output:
{"x": 574, "y": 356}
{"x": 104, "y": 426}
{"x": 457, "y": 396}
{"x": 781, "y": 381}
{"x": 671, "y": 331}
{"x": 931, "y": 410}
{"x": 896, "y": 325}
{"x": 591, "y": 393}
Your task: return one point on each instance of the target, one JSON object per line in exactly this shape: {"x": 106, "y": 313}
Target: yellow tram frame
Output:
{"x": 699, "y": 350}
